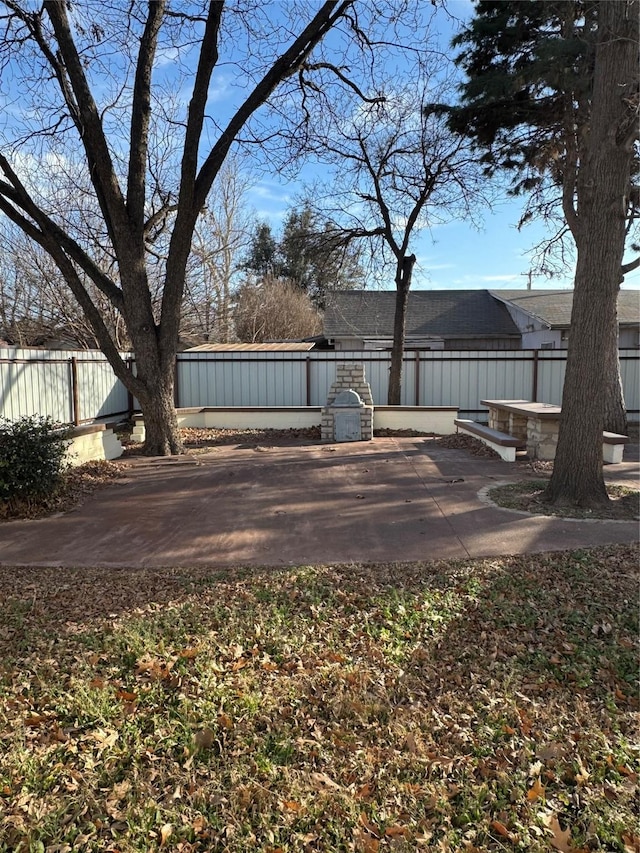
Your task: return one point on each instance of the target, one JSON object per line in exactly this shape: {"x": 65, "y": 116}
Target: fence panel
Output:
{"x": 551, "y": 370}
{"x": 463, "y": 378}
{"x": 48, "y": 383}
{"x": 42, "y": 382}
{"x": 100, "y": 392}
{"x": 242, "y": 379}
{"x": 630, "y": 372}
{"x": 35, "y": 382}
{"x": 376, "y": 369}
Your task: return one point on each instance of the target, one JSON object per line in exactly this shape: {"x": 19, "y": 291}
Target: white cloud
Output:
{"x": 487, "y": 279}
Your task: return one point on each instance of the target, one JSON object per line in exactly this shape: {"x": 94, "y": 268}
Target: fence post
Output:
{"x": 308, "y": 379}
{"x": 534, "y": 390}
{"x": 417, "y": 378}
{"x": 176, "y": 385}
{"x": 129, "y": 394}
{"x": 75, "y": 395}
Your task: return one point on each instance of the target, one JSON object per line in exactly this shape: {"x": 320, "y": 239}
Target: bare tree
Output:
{"x": 35, "y": 305}
{"x": 274, "y": 309}
{"x": 90, "y": 77}
{"x": 397, "y": 169}
{"x": 220, "y": 241}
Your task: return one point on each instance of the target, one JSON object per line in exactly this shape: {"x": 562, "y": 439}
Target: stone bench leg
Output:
{"x": 542, "y": 439}
{"x": 499, "y": 420}
{"x": 612, "y": 453}
{"x": 517, "y": 426}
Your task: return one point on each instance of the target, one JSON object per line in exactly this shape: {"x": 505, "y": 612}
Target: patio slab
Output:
{"x": 391, "y": 499}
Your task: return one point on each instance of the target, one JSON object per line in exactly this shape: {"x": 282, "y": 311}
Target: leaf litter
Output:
{"x": 483, "y": 705}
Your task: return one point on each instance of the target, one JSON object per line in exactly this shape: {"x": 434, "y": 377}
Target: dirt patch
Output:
{"x": 529, "y": 497}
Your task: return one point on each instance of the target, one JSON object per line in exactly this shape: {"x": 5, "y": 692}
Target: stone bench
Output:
{"x": 504, "y": 444}
{"x": 613, "y": 447}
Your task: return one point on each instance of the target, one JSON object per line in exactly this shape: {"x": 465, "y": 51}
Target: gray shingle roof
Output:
{"x": 553, "y": 307}
{"x": 431, "y": 313}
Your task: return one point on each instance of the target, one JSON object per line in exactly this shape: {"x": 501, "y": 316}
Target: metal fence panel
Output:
{"x": 463, "y": 378}
{"x": 242, "y": 379}
{"x": 551, "y": 369}
{"x": 41, "y": 382}
{"x": 34, "y": 381}
{"x": 630, "y": 372}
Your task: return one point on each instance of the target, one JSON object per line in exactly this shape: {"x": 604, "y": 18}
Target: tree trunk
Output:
{"x": 577, "y": 473}
{"x": 155, "y": 380}
{"x": 602, "y": 184}
{"x": 162, "y": 434}
{"x": 403, "y": 284}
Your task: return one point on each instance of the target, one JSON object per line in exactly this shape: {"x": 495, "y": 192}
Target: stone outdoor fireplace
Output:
{"x": 348, "y": 414}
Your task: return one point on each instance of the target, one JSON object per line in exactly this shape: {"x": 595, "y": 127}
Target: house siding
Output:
{"x": 482, "y": 344}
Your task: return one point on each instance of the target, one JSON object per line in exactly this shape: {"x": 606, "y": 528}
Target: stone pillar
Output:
{"x": 349, "y": 377}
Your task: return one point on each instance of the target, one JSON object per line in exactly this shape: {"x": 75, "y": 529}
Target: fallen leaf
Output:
{"x": 501, "y": 829}
{"x": 631, "y": 842}
{"x": 35, "y": 720}
{"x": 198, "y": 825}
{"x": 371, "y": 828}
{"x": 165, "y": 833}
{"x": 125, "y": 696}
{"x": 225, "y": 721}
{"x": 204, "y": 738}
{"x": 322, "y": 782}
{"x": 189, "y": 653}
{"x": 365, "y": 792}
{"x": 396, "y": 831}
{"x": 561, "y": 838}
{"x": 535, "y": 791}
{"x": 525, "y": 723}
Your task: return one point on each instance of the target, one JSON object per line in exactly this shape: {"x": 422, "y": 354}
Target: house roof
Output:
{"x": 430, "y": 313}
{"x": 553, "y": 307}
{"x": 298, "y": 346}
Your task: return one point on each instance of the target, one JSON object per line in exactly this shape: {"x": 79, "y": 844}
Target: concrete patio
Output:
{"x": 390, "y": 499}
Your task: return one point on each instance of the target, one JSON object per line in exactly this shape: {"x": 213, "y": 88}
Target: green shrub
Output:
{"x": 32, "y": 457}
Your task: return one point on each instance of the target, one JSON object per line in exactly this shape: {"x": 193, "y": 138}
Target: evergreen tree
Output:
{"x": 313, "y": 255}
{"x": 310, "y": 254}
{"x": 552, "y": 95}
{"x": 262, "y": 254}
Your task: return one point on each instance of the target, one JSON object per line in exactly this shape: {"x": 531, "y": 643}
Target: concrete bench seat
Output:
{"x": 613, "y": 447}
{"x": 93, "y": 441}
{"x": 504, "y": 444}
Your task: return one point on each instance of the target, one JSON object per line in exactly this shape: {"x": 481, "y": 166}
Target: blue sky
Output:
{"x": 457, "y": 255}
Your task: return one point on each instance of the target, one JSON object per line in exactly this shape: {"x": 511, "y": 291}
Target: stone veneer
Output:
{"x": 349, "y": 377}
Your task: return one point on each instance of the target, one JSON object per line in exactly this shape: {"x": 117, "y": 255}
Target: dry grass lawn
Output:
{"x": 485, "y": 705}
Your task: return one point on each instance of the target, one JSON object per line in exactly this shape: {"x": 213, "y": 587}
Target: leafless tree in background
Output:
{"x": 275, "y": 309}
{"x": 397, "y": 169}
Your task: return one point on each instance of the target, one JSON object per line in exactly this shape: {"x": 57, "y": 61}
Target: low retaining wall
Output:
{"x": 93, "y": 441}
{"x": 434, "y": 419}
